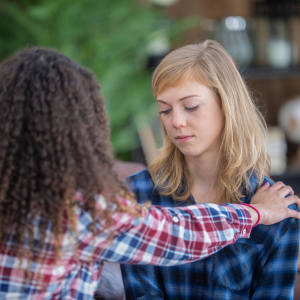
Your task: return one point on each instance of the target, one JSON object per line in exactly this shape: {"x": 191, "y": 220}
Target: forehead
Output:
{"x": 183, "y": 88}
{"x": 177, "y": 79}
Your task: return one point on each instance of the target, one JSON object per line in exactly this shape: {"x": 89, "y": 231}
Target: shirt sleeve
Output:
{"x": 171, "y": 236}
{"x": 279, "y": 269}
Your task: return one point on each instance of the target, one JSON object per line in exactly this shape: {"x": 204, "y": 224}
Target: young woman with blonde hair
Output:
{"x": 63, "y": 208}
{"x": 214, "y": 150}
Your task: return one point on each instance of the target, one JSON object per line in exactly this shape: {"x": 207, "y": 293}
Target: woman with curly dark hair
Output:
{"x": 63, "y": 209}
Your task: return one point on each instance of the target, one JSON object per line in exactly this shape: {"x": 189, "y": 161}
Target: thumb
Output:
{"x": 263, "y": 188}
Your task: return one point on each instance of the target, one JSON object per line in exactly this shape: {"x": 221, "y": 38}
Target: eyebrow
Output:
{"x": 181, "y": 99}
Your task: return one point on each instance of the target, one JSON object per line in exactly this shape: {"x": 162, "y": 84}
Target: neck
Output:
{"x": 204, "y": 174}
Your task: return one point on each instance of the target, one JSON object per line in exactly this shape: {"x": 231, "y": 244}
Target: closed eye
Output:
{"x": 165, "y": 111}
{"x": 191, "y": 108}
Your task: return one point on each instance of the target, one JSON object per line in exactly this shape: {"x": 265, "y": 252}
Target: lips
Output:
{"x": 183, "y": 138}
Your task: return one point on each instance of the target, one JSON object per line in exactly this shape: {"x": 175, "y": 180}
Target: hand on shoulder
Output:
{"x": 272, "y": 203}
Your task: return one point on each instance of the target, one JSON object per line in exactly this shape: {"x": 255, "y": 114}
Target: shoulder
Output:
{"x": 140, "y": 180}
{"x": 289, "y": 227}
{"x": 141, "y": 184}
{"x": 254, "y": 186}
{"x": 143, "y": 187}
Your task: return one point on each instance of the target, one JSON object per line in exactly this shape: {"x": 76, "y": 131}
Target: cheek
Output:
{"x": 165, "y": 127}
{"x": 165, "y": 123}
{"x": 221, "y": 121}
{"x": 200, "y": 121}
{"x": 209, "y": 125}
{"x": 216, "y": 118}
{"x": 217, "y": 126}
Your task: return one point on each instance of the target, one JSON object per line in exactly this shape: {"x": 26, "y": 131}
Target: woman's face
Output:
{"x": 192, "y": 118}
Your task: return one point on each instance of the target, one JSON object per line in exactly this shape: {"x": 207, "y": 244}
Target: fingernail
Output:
{"x": 266, "y": 183}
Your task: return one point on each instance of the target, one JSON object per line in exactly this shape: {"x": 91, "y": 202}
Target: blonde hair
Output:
{"x": 243, "y": 148}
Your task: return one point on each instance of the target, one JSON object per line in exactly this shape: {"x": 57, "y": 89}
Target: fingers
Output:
{"x": 263, "y": 188}
{"x": 277, "y": 186}
{"x": 286, "y": 190}
{"x": 292, "y": 199}
{"x": 283, "y": 189}
{"x": 294, "y": 214}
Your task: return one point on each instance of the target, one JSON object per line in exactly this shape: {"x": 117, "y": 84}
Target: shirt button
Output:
{"x": 175, "y": 219}
{"x": 244, "y": 231}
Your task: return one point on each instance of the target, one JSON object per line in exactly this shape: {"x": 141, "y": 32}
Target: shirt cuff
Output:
{"x": 244, "y": 219}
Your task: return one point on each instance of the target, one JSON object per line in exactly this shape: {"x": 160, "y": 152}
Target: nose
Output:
{"x": 178, "y": 119}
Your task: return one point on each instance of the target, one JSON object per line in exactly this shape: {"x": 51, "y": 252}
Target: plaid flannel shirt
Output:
{"x": 259, "y": 268}
{"x": 159, "y": 236}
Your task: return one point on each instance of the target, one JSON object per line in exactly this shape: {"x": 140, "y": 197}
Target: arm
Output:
{"x": 172, "y": 236}
{"x": 278, "y": 271}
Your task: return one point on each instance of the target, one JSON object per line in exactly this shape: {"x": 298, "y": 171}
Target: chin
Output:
{"x": 193, "y": 151}
{"x": 190, "y": 153}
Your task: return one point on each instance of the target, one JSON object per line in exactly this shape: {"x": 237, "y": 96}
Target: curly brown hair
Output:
{"x": 54, "y": 139}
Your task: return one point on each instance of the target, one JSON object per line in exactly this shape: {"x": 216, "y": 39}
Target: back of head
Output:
{"x": 243, "y": 148}
{"x": 54, "y": 139}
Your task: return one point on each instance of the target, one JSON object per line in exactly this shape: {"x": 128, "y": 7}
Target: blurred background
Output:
{"x": 114, "y": 38}
{"x": 122, "y": 41}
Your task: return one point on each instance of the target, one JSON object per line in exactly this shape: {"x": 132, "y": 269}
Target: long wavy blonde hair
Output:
{"x": 243, "y": 148}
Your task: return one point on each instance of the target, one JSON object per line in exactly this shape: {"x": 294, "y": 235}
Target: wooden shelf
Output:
{"x": 269, "y": 73}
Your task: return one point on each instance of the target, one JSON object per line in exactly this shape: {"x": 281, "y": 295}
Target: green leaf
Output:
{"x": 110, "y": 37}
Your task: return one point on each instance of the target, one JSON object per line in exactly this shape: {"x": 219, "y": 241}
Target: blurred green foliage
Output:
{"x": 110, "y": 37}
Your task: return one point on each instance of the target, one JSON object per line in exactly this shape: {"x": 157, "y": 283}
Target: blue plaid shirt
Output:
{"x": 261, "y": 267}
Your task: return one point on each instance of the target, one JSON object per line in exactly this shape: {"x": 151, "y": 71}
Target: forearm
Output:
{"x": 172, "y": 236}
